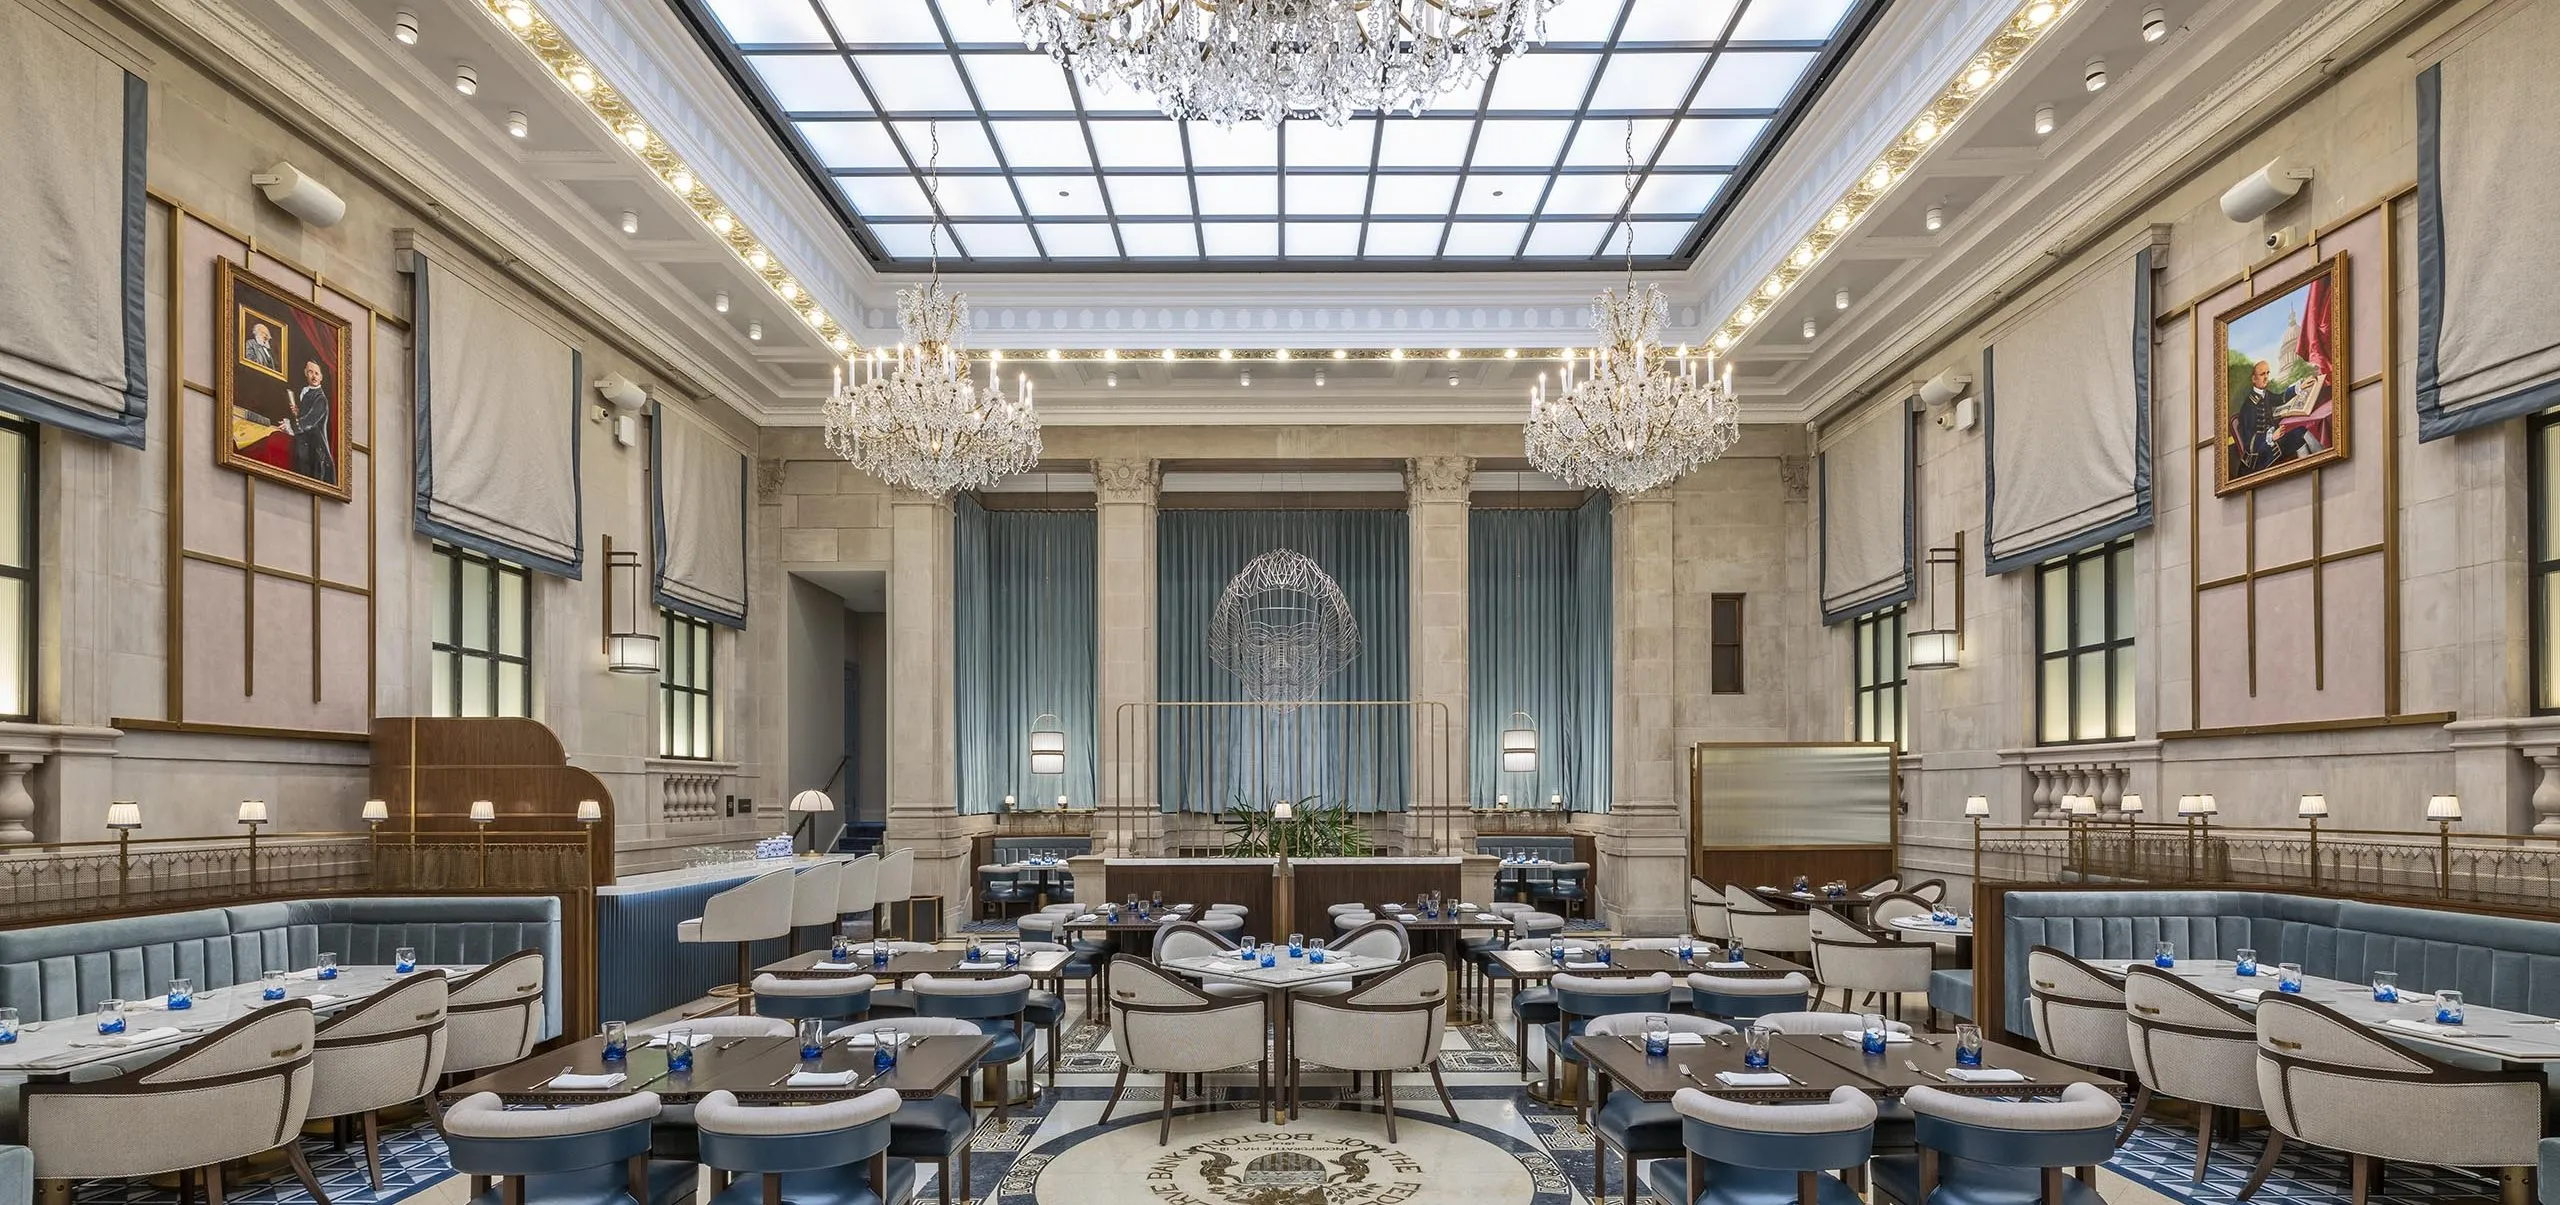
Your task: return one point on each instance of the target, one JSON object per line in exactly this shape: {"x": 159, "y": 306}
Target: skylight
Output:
{"x": 1040, "y": 167}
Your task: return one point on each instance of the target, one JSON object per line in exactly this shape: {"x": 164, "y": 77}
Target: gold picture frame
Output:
{"x": 287, "y": 424}
{"x": 2283, "y": 384}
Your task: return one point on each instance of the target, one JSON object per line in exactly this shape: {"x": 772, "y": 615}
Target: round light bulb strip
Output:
{"x": 581, "y": 80}
{"x": 2019, "y": 34}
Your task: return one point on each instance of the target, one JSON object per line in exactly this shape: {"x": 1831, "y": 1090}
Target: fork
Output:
{"x": 1913, "y": 1066}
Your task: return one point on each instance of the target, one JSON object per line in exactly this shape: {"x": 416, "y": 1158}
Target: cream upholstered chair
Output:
{"x": 1375, "y": 939}
{"x": 2188, "y": 1044}
{"x": 897, "y": 885}
{"x": 858, "y": 892}
{"x": 1392, "y": 1023}
{"x": 1856, "y": 959}
{"x": 1761, "y": 925}
{"x": 1182, "y": 939}
{"x": 383, "y": 1051}
{"x": 2078, "y": 1013}
{"x": 759, "y": 909}
{"x": 1897, "y": 906}
{"x": 2331, "y": 1082}
{"x": 1932, "y": 890}
{"x": 816, "y": 898}
{"x": 1164, "y": 1025}
{"x": 493, "y": 1016}
{"x": 241, "y": 1090}
{"x": 1882, "y": 887}
{"x": 1707, "y": 911}
{"x": 1817, "y": 1023}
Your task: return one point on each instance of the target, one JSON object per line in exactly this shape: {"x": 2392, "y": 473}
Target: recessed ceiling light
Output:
{"x": 519, "y": 14}
{"x": 755, "y": 331}
{"x": 631, "y": 225}
{"x": 1396, "y": 354}
{"x": 1319, "y": 378}
{"x": 790, "y": 290}
{"x": 1979, "y": 78}
{"x": 757, "y": 259}
{"x": 1062, "y": 192}
{"x": 1111, "y": 380}
{"x": 1510, "y": 353}
{"x": 1924, "y": 129}
{"x": 404, "y": 27}
{"x": 1810, "y": 330}
{"x": 466, "y": 79}
{"x": 582, "y": 80}
{"x": 1840, "y": 300}
{"x": 1935, "y": 219}
{"x": 1281, "y": 354}
{"x": 720, "y": 302}
{"x": 2039, "y": 13}
{"x": 1110, "y": 354}
{"x": 2094, "y": 76}
{"x": 517, "y": 126}
{"x": 1453, "y": 354}
{"x": 2044, "y": 120}
{"x": 2155, "y": 23}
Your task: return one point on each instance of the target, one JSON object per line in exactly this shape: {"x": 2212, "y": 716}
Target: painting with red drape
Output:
{"x": 2312, "y": 344}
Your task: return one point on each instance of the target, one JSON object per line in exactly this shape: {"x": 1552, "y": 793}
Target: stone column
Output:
{"x": 1124, "y": 622}
{"x": 923, "y": 800}
{"x": 1643, "y": 843}
{"x": 1436, "y": 509}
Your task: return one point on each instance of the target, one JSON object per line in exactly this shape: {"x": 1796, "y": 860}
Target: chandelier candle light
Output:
{"x": 1227, "y": 61}
{"x": 1629, "y": 423}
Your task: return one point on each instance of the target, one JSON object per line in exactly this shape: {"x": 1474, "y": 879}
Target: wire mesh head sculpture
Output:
{"x": 1282, "y": 627}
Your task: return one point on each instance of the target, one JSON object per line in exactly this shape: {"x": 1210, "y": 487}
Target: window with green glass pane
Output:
{"x": 2542, "y": 475}
{"x": 1876, "y": 711}
{"x": 17, "y": 570}
{"x": 480, "y": 636}
{"x": 2084, "y": 646}
{"x": 685, "y": 727}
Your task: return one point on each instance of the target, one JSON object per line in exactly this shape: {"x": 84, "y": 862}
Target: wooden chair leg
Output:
{"x": 2266, "y": 1162}
{"x": 945, "y": 1180}
{"x": 1164, "y": 1128}
{"x": 1443, "y": 1086}
{"x": 373, "y": 1148}
{"x": 213, "y": 1185}
{"x": 186, "y": 1186}
{"x": 1629, "y": 1158}
{"x": 1600, "y": 1170}
{"x": 1262, "y": 1088}
{"x": 1117, "y": 1083}
{"x": 2359, "y": 1179}
{"x": 2204, "y": 1139}
{"x": 310, "y": 1180}
{"x": 2141, "y": 1105}
{"x": 1386, "y": 1094}
{"x": 964, "y": 1164}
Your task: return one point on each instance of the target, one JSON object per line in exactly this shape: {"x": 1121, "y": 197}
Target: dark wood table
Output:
{"x": 1823, "y": 1062}
{"x": 1534, "y": 965}
{"x": 1043, "y": 965}
{"x": 1936, "y": 1052}
{"x": 1128, "y": 929}
{"x": 753, "y": 1068}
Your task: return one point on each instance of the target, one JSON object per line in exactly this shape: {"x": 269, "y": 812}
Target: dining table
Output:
{"x": 1926, "y": 928}
{"x": 821, "y": 964}
{"x": 1287, "y": 975}
{"x": 53, "y": 1049}
{"x": 1815, "y": 1064}
{"x": 2509, "y": 1037}
{"x": 757, "y": 1070}
{"x": 1536, "y": 966}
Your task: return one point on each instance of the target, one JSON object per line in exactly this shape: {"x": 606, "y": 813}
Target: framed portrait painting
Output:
{"x": 279, "y": 385}
{"x": 2280, "y": 399}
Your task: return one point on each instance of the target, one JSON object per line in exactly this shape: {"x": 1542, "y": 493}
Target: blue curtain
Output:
{"x": 1538, "y": 628}
{"x": 1209, "y": 759}
{"x": 1022, "y": 644}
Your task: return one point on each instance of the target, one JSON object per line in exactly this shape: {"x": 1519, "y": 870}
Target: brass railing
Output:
{"x": 2512, "y": 872}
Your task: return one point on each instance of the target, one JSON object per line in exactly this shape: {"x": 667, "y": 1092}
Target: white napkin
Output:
{"x": 1891, "y": 1037}
{"x": 691, "y": 1039}
{"x": 1391, "y": 907}
{"x": 1593, "y": 965}
{"x": 1088, "y": 918}
{"x": 571, "y": 1081}
{"x": 1182, "y": 907}
{"x": 1870, "y": 894}
{"x": 1487, "y": 916}
{"x": 2421, "y": 1026}
{"x": 1464, "y": 906}
{"x": 1724, "y": 966}
{"x": 863, "y": 1039}
{"x": 1766, "y": 887}
{"x": 131, "y": 1038}
{"x": 820, "y": 1079}
{"x": 1752, "y": 1079}
{"x": 1688, "y": 1039}
{"x": 1986, "y": 1075}
{"x": 319, "y": 998}
{"x": 2246, "y": 993}
{"x": 305, "y": 973}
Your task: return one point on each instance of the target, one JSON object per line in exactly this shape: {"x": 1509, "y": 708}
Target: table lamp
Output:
{"x": 808, "y": 804}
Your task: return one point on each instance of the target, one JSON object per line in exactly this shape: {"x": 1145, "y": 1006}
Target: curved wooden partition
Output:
{"x": 431, "y": 769}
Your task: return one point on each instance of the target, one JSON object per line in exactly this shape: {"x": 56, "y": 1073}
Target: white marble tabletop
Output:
{"x": 2500, "y": 1034}
{"x": 1286, "y": 972}
{"x": 1962, "y": 926}
{"x": 67, "y": 1042}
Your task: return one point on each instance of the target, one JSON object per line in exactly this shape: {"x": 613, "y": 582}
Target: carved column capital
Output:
{"x": 902, "y": 496}
{"x": 1795, "y": 476}
{"x": 770, "y": 472}
{"x": 1125, "y": 480}
{"x": 1438, "y": 478}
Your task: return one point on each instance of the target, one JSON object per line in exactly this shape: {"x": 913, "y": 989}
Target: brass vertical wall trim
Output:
{"x": 2319, "y": 585}
{"x": 372, "y": 519}
{"x": 2249, "y": 560}
{"x": 2390, "y": 459}
{"x": 174, "y": 438}
{"x": 2195, "y": 531}
{"x": 343, "y": 392}
{"x": 249, "y": 585}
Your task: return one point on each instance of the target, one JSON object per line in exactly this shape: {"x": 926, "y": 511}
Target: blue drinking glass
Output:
{"x": 8, "y": 1026}
{"x": 182, "y": 994}
{"x": 328, "y": 966}
{"x": 975, "y": 953}
{"x": 1968, "y": 1045}
{"x": 813, "y": 1038}
{"x": 1270, "y": 959}
{"x": 1657, "y": 1036}
{"x": 404, "y": 960}
{"x": 271, "y": 986}
{"x": 1755, "y": 1046}
{"x": 617, "y": 1041}
{"x": 2247, "y": 963}
{"x": 2448, "y": 1007}
{"x": 2164, "y": 954}
{"x": 679, "y": 1051}
{"x": 2288, "y": 976}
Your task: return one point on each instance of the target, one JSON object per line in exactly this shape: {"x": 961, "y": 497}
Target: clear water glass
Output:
{"x": 617, "y": 1041}
{"x": 2448, "y": 1007}
{"x": 2164, "y": 954}
{"x": 813, "y": 1037}
{"x": 1271, "y": 956}
{"x": 110, "y": 1016}
{"x": 679, "y": 1050}
{"x": 8, "y": 1026}
{"x": 2386, "y": 986}
{"x": 404, "y": 960}
{"x": 182, "y": 993}
{"x": 1133, "y": 901}
{"x": 1248, "y": 949}
{"x": 2288, "y": 976}
{"x": 1657, "y": 1035}
{"x": 977, "y": 952}
{"x": 1968, "y": 1045}
{"x": 271, "y": 985}
{"x": 1315, "y": 952}
{"x": 2247, "y": 962}
{"x": 1755, "y": 1046}
{"x": 841, "y": 949}
{"x": 1013, "y": 953}
{"x": 1871, "y": 1033}
{"x": 884, "y": 1049}
{"x": 1600, "y": 950}
{"x": 1155, "y": 899}
{"x": 1555, "y": 950}
{"x": 1688, "y": 947}
{"x": 879, "y": 953}
{"x": 328, "y": 965}
{"x": 1733, "y": 949}
{"x": 1297, "y": 945}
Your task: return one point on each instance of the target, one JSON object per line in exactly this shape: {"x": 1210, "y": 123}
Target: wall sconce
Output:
{"x": 1935, "y": 647}
{"x": 1520, "y": 746}
{"x": 1048, "y": 745}
{"x": 1008, "y": 803}
{"x": 1501, "y": 802}
{"x": 2131, "y": 806}
{"x": 376, "y": 811}
{"x": 124, "y": 816}
{"x": 629, "y": 648}
{"x": 2444, "y": 809}
{"x": 1062, "y": 803}
{"x": 807, "y": 805}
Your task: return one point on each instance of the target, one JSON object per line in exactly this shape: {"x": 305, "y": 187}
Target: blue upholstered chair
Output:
{"x": 1741, "y": 997}
{"x": 1773, "y": 1154}
{"x": 1569, "y": 886}
{"x": 833, "y": 998}
{"x": 1977, "y": 1150}
{"x": 894, "y": 1001}
{"x": 1532, "y": 1005}
{"x": 1579, "y": 998}
{"x": 994, "y": 1004}
{"x": 937, "y": 1128}
{"x": 18, "y": 1176}
{"x": 1047, "y": 1008}
{"x": 834, "y": 1153}
{"x": 2550, "y": 1177}
{"x": 1635, "y": 1129}
{"x": 594, "y": 1154}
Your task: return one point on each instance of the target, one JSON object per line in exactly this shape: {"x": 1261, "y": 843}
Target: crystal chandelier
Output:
{"x": 1227, "y": 61}
{"x": 1630, "y": 423}
{"x": 913, "y": 417}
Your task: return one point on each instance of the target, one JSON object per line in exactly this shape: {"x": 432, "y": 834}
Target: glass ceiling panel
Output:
{"x": 1039, "y": 166}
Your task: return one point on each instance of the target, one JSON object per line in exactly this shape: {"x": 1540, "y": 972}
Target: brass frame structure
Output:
{"x": 2514, "y": 871}
{"x": 1131, "y": 784}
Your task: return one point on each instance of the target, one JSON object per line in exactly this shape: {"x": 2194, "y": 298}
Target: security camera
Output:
{"x": 2279, "y": 238}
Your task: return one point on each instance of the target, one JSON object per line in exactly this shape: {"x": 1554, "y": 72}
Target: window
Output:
{"x": 1724, "y": 644}
{"x": 479, "y": 655}
{"x": 2542, "y": 475}
{"x": 1877, "y": 710}
{"x": 684, "y": 687}
{"x": 17, "y": 570}
{"x": 2084, "y": 646}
